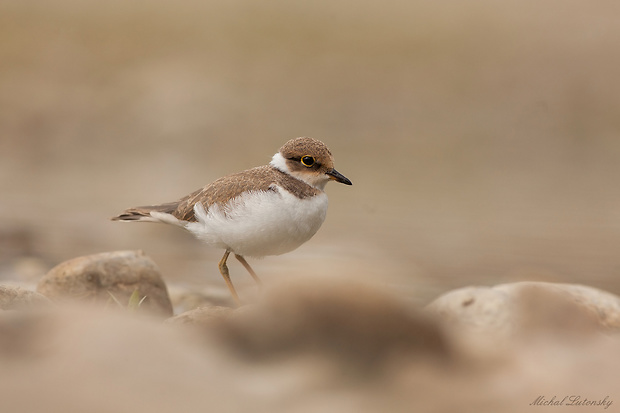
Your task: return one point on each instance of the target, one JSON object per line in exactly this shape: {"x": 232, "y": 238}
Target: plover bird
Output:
{"x": 267, "y": 210}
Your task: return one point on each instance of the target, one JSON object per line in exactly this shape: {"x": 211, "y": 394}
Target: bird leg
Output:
{"x": 224, "y": 271}
{"x": 250, "y": 270}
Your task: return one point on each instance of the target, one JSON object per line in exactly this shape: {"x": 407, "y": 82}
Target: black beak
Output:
{"x": 334, "y": 175}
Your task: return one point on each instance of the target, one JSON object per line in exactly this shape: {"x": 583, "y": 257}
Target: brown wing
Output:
{"x": 224, "y": 189}
{"x": 221, "y": 191}
{"x": 218, "y": 192}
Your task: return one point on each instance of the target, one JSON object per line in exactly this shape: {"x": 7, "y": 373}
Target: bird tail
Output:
{"x": 151, "y": 213}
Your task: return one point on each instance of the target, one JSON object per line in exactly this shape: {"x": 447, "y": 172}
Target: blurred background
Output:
{"x": 482, "y": 137}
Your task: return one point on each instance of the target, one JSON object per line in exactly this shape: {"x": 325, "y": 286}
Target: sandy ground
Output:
{"x": 307, "y": 347}
{"x": 481, "y": 138}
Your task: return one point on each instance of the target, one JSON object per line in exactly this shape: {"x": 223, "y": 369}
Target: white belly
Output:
{"x": 260, "y": 223}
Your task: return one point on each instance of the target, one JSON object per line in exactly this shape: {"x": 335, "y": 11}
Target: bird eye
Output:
{"x": 308, "y": 161}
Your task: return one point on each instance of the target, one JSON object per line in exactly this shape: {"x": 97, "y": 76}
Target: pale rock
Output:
{"x": 110, "y": 277}
{"x": 509, "y": 309}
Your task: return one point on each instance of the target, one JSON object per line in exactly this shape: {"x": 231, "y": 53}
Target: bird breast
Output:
{"x": 260, "y": 223}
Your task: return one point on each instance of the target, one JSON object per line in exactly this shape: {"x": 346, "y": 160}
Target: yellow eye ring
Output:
{"x": 308, "y": 160}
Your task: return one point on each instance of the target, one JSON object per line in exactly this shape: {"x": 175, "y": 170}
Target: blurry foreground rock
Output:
{"x": 508, "y": 310}
{"x": 15, "y": 298}
{"x": 358, "y": 326}
{"x": 108, "y": 277}
{"x": 304, "y": 347}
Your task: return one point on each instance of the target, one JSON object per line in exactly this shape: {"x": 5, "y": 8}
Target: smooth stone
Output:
{"x": 111, "y": 278}
{"x": 507, "y": 309}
